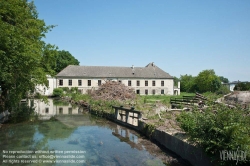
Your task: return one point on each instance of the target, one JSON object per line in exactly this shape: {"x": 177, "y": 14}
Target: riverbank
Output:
{"x": 172, "y": 139}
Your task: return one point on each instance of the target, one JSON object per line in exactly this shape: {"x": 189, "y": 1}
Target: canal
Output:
{"x": 75, "y": 137}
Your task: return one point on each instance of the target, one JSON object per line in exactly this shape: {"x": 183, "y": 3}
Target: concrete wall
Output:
{"x": 188, "y": 152}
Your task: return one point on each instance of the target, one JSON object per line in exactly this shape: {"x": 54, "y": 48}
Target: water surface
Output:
{"x": 95, "y": 141}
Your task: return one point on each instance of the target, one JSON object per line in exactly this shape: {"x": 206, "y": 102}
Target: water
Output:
{"x": 76, "y": 133}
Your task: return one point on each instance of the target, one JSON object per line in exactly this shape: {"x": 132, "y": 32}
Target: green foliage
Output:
{"x": 227, "y": 129}
{"x": 58, "y": 92}
{"x": 66, "y": 89}
{"x": 25, "y": 58}
{"x": 242, "y": 86}
{"x": 188, "y": 83}
{"x": 63, "y": 59}
{"x": 60, "y": 103}
{"x": 223, "y": 90}
{"x": 103, "y": 105}
{"x": 223, "y": 79}
{"x": 22, "y": 113}
{"x": 207, "y": 81}
{"x": 74, "y": 90}
{"x": 149, "y": 129}
{"x": 176, "y": 80}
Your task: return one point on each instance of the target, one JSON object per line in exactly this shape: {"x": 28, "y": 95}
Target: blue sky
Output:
{"x": 181, "y": 37}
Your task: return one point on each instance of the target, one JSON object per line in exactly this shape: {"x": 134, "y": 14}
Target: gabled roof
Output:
{"x": 150, "y": 71}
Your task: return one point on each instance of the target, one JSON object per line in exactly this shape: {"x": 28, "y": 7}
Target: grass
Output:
{"x": 145, "y": 103}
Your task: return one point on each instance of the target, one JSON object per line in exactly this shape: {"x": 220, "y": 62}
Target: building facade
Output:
{"x": 47, "y": 91}
{"x": 146, "y": 80}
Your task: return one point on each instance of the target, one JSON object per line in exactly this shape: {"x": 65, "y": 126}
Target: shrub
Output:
{"x": 223, "y": 90}
{"x": 215, "y": 131}
{"x": 242, "y": 86}
{"x": 58, "y": 92}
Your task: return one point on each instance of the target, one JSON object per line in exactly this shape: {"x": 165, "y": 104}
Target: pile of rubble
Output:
{"x": 238, "y": 98}
{"x": 112, "y": 90}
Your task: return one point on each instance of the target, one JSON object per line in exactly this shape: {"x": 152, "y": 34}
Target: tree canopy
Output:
{"x": 223, "y": 79}
{"x": 63, "y": 59}
{"x": 188, "y": 83}
{"x": 207, "y": 81}
{"x": 242, "y": 86}
{"x": 25, "y": 58}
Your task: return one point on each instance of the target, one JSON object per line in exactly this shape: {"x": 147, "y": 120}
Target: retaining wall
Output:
{"x": 188, "y": 152}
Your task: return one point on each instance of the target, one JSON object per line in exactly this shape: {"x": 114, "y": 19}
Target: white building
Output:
{"x": 47, "y": 91}
{"x": 146, "y": 80}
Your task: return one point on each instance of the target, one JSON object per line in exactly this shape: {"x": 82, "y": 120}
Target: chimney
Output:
{"x": 133, "y": 71}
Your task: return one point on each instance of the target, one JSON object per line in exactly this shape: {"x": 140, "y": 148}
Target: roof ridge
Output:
{"x": 150, "y": 71}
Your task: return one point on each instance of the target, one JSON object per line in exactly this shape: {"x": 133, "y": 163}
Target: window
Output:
{"x": 70, "y": 111}
{"x": 162, "y": 83}
{"x": 61, "y": 82}
{"x": 146, "y": 83}
{"x": 153, "y": 91}
{"x": 153, "y": 83}
{"x": 46, "y": 110}
{"x": 162, "y": 92}
{"x": 99, "y": 82}
{"x": 146, "y": 91}
{"x": 60, "y": 110}
{"x": 70, "y": 82}
{"x": 138, "y": 92}
{"x": 79, "y": 82}
{"x": 129, "y": 82}
{"x": 89, "y": 82}
{"x": 138, "y": 83}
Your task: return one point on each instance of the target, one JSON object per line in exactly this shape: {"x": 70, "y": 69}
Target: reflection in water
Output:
{"x": 105, "y": 143}
{"x": 53, "y": 108}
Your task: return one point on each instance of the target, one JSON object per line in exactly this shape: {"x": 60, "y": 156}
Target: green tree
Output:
{"x": 242, "y": 86}
{"x": 207, "y": 81}
{"x": 188, "y": 83}
{"x": 176, "y": 80}
{"x": 63, "y": 59}
{"x": 24, "y": 58}
{"x": 223, "y": 79}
